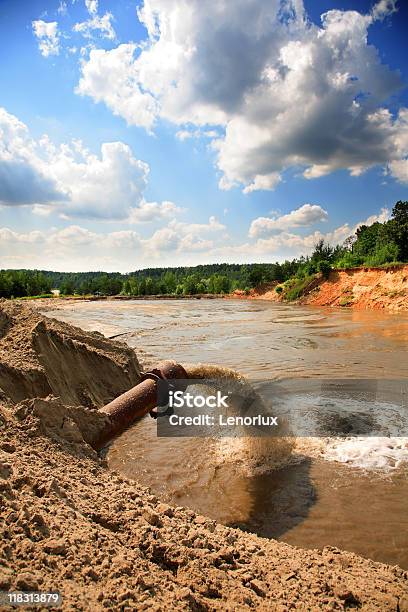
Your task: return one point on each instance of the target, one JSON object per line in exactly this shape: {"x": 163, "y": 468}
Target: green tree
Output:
{"x": 367, "y": 239}
{"x": 322, "y": 251}
{"x": 255, "y": 276}
{"x": 190, "y": 284}
{"x": 324, "y": 267}
{"x": 170, "y": 282}
{"x": 67, "y": 287}
{"x": 126, "y": 288}
{"x": 399, "y": 229}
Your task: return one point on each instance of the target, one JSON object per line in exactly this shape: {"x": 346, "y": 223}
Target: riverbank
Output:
{"x": 360, "y": 288}
{"x": 384, "y": 288}
{"x": 69, "y": 522}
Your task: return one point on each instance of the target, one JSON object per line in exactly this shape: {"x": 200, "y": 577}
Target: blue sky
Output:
{"x": 175, "y": 132}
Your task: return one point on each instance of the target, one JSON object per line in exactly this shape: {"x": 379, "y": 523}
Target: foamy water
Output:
{"x": 315, "y": 414}
{"x": 368, "y": 453}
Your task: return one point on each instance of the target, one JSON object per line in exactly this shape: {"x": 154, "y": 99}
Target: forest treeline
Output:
{"x": 373, "y": 245}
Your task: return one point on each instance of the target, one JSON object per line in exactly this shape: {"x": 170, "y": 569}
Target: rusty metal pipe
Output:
{"x": 135, "y": 403}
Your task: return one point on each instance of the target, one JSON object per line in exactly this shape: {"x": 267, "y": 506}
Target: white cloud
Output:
{"x": 47, "y": 35}
{"x": 91, "y": 6}
{"x": 100, "y": 24}
{"x": 77, "y": 248}
{"x": 186, "y": 134}
{"x": 96, "y": 24}
{"x": 105, "y": 187}
{"x": 23, "y": 175}
{"x": 42, "y": 210}
{"x": 287, "y": 93}
{"x": 287, "y": 245}
{"x": 73, "y": 179}
{"x": 72, "y": 248}
{"x": 260, "y": 181}
{"x": 152, "y": 211}
{"x": 296, "y": 245}
{"x": 382, "y": 216}
{"x": 110, "y": 77}
{"x": 383, "y": 9}
{"x": 304, "y": 216}
{"x": 183, "y": 237}
{"x": 399, "y": 169}
{"x": 62, "y": 8}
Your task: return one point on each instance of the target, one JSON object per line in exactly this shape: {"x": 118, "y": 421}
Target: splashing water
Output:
{"x": 377, "y": 453}
{"x": 250, "y": 455}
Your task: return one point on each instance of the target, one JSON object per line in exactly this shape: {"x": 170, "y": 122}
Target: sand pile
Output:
{"x": 40, "y": 356}
{"x": 69, "y": 523}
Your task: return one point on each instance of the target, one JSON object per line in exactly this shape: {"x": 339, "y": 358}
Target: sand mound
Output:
{"x": 41, "y": 356}
{"x": 69, "y": 523}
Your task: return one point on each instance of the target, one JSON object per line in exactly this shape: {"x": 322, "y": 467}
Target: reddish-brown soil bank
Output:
{"x": 377, "y": 288}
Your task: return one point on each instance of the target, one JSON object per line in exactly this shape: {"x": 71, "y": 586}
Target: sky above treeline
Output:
{"x": 178, "y": 132}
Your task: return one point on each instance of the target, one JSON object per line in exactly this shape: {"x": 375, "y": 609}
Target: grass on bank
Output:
{"x": 54, "y": 296}
{"x": 36, "y": 297}
{"x": 295, "y": 287}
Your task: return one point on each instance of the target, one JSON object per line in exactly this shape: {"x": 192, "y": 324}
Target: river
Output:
{"x": 347, "y": 492}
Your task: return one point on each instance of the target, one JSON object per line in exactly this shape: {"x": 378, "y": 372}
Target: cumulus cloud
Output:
{"x": 286, "y": 92}
{"x": 48, "y": 37}
{"x": 383, "y": 9}
{"x": 112, "y": 77}
{"x": 399, "y": 169}
{"x": 306, "y": 215}
{"x": 381, "y": 217}
{"x": 259, "y": 182}
{"x": 71, "y": 248}
{"x": 23, "y": 176}
{"x": 303, "y": 245}
{"x": 289, "y": 244}
{"x": 184, "y": 237}
{"x": 152, "y": 211}
{"x": 78, "y": 248}
{"x": 105, "y": 186}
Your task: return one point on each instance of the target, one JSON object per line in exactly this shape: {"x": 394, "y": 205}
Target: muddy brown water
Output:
{"x": 352, "y": 495}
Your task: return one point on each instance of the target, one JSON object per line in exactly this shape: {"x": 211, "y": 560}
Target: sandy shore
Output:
{"x": 69, "y": 523}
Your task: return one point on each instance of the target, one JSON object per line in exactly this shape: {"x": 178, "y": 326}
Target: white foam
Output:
{"x": 373, "y": 453}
